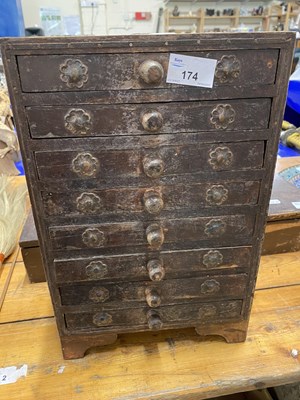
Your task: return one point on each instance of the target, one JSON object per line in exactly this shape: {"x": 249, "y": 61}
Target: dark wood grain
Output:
{"x": 128, "y": 234}
{"x": 127, "y": 295}
{"x": 134, "y": 267}
{"x": 50, "y": 122}
{"x": 202, "y": 157}
{"x": 115, "y": 71}
{"x": 153, "y": 136}
{"x": 137, "y": 318}
{"x": 134, "y": 200}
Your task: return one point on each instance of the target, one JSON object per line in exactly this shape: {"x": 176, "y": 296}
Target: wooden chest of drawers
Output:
{"x": 150, "y": 198}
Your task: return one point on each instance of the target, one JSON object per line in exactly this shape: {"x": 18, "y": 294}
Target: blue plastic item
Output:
{"x": 292, "y": 110}
{"x": 11, "y": 18}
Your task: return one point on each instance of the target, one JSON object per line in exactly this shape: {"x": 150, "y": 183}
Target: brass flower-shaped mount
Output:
{"x": 212, "y": 259}
{"x": 228, "y": 69}
{"x": 74, "y": 73}
{"x": 78, "y": 121}
{"x": 98, "y": 294}
{"x": 207, "y": 311}
{"x": 222, "y": 116}
{"x": 210, "y": 286}
{"x": 215, "y": 227}
{"x": 220, "y": 157}
{"x": 88, "y": 203}
{"x": 96, "y": 270}
{"x": 102, "y": 319}
{"x": 93, "y": 237}
{"x": 216, "y": 194}
{"x": 85, "y": 165}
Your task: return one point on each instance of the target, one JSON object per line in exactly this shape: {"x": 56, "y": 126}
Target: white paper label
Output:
{"x": 274, "y": 201}
{"x": 191, "y": 71}
{"x": 296, "y": 204}
{"x": 12, "y": 374}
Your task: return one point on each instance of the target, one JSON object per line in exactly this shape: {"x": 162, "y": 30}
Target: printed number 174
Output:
{"x": 190, "y": 75}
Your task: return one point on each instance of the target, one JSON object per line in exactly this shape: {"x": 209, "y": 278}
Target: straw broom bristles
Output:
{"x": 12, "y": 215}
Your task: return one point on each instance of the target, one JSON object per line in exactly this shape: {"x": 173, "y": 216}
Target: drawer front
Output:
{"x": 135, "y": 119}
{"x": 143, "y": 317}
{"x": 151, "y": 201}
{"x": 105, "y": 166}
{"x": 187, "y": 231}
{"x": 138, "y": 71}
{"x": 157, "y": 267}
{"x": 133, "y": 294}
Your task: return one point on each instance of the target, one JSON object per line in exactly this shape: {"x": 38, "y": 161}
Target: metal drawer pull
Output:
{"x": 215, "y": 227}
{"x": 98, "y": 294}
{"x": 93, "y": 237}
{"x": 153, "y": 201}
{"x": 74, "y": 73}
{"x": 212, "y": 259}
{"x": 222, "y": 116}
{"x": 156, "y": 270}
{"x": 96, "y": 270}
{"x": 153, "y": 166}
{"x": 85, "y": 165}
{"x": 151, "y": 72}
{"x": 152, "y": 297}
{"x": 78, "y": 121}
{"x": 216, "y": 194}
{"x": 210, "y": 286}
{"x": 152, "y": 121}
{"x": 88, "y": 203}
{"x": 102, "y": 319}
{"x": 228, "y": 69}
{"x": 220, "y": 157}
{"x": 207, "y": 311}
{"x": 154, "y": 320}
{"x": 155, "y": 235}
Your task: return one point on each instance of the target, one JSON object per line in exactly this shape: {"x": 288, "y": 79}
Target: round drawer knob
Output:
{"x": 154, "y": 321}
{"x": 151, "y": 71}
{"x": 155, "y": 235}
{"x": 153, "y": 166}
{"x": 156, "y": 270}
{"x": 152, "y": 121}
{"x": 152, "y": 297}
{"x": 153, "y": 201}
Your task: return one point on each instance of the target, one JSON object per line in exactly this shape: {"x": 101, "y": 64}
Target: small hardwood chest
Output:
{"x": 150, "y": 198}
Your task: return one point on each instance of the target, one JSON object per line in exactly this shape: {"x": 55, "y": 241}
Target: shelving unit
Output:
{"x": 276, "y": 16}
{"x": 184, "y": 20}
{"x": 196, "y": 22}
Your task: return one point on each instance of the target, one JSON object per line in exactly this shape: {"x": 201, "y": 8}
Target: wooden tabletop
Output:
{"x": 158, "y": 366}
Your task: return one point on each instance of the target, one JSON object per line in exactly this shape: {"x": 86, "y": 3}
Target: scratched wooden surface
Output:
{"x": 162, "y": 366}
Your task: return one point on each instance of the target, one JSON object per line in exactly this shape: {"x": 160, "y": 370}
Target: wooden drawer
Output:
{"x": 156, "y": 200}
{"x": 127, "y": 71}
{"x": 135, "y": 119}
{"x": 156, "y": 266}
{"x": 236, "y": 228}
{"x": 145, "y": 165}
{"x": 182, "y": 314}
{"x": 134, "y": 294}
